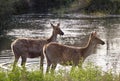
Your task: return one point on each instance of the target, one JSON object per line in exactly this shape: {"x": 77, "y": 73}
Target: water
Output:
{"x": 76, "y": 28}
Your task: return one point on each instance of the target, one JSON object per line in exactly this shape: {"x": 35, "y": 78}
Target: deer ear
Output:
{"x": 58, "y": 24}
{"x": 52, "y": 25}
{"x": 94, "y": 33}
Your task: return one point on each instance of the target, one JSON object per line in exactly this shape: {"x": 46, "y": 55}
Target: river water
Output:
{"x": 76, "y": 28}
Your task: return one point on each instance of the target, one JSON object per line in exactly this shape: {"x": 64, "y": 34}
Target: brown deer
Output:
{"x": 57, "y": 53}
{"x": 31, "y": 48}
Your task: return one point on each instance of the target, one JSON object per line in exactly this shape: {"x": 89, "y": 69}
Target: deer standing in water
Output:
{"x": 57, "y": 53}
{"x": 31, "y": 48}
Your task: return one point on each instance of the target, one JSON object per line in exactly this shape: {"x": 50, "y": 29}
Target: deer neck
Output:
{"x": 53, "y": 37}
{"x": 89, "y": 49}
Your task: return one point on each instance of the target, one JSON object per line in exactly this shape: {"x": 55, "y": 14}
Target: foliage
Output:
{"x": 104, "y": 6}
{"x": 8, "y": 8}
{"x": 5, "y": 12}
{"x": 90, "y": 73}
{"x": 49, "y": 5}
{"x": 20, "y": 6}
{"x": 89, "y": 6}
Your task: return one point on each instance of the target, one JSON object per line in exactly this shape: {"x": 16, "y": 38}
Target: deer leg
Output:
{"x": 15, "y": 62}
{"x": 41, "y": 62}
{"x": 48, "y": 65}
{"x": 23, "y": 61}
{"x": 53, "y": 66}
{"x": 48, "y": 68}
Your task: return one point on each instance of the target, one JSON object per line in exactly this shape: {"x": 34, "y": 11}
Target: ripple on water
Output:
{"x": 76, "y": 27}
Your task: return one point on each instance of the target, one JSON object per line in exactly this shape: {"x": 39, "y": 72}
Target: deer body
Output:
{"x": 31, "y": 48}
{"x": 57, "y": 53}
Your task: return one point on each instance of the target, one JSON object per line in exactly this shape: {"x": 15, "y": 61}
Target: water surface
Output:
{"x": 76, "y": 28}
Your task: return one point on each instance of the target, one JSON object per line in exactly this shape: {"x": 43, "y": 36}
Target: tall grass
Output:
{"x": 89, "y": 73}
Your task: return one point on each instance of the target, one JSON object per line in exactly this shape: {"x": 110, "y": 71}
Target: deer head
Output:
{"x": 96, "y": 39}
{"x": 57, "y": 29}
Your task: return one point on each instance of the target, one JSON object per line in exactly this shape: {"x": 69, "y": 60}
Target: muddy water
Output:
{"x": 76, "y": 28}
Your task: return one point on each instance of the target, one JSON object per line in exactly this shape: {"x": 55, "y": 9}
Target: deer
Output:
{"x": 32, "y": 48}
{"x": 69, "y": 55}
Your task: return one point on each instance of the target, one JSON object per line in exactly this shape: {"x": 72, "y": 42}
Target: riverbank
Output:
{"x": 91, "y": 7}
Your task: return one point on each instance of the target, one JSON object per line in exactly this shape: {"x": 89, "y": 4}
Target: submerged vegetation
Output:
{"x": 89, "y": 73}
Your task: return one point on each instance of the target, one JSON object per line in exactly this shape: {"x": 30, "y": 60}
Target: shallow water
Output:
{"x": 76, "y": 28}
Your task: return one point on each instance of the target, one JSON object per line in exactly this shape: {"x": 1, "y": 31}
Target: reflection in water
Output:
{"x": 5, "y": 42}
{"x": 113, "y": 43}
{"x": 76, "y": 30}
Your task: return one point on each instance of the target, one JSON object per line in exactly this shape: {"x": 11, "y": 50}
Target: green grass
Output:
{"x": 89, "y": 73}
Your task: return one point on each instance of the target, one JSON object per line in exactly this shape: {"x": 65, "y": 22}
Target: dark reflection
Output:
{"x": 5, "y": 42}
